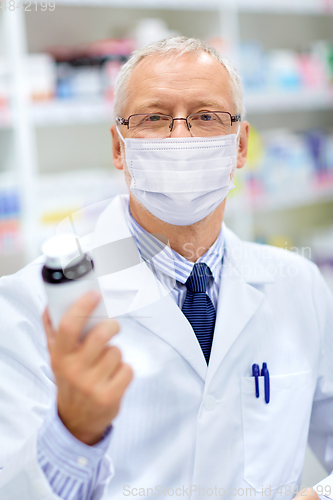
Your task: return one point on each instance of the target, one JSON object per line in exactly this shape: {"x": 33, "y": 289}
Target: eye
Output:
{"x": 153, "y": 118}
{"x": 206, "y": 117}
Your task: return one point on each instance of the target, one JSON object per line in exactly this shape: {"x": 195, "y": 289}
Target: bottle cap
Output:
{"x": 60, "y": 250}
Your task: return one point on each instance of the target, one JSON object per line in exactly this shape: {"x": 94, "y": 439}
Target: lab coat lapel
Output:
{"x": 238, "y": 299}
{"x": 117, "y": 261}
{"x": 135, "y": 291}
{"x": 165, "y": 319}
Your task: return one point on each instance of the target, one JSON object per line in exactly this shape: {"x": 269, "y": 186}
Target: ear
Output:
{"x": 116, "y": 151}
{"x": 243, "y": 144}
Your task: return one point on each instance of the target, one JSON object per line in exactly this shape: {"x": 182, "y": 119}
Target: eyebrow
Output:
{"x": 199, "y": 104}
{"x": 149, "y": 106}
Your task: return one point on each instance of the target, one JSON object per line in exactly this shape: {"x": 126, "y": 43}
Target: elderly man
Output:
{"x": 223, "y": 360}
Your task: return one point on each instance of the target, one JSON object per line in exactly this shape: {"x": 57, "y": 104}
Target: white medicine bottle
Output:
{"x": 68, "y": 273}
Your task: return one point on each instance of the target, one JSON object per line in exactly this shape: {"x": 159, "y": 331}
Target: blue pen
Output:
{"x": 265, "y": 374}
{"x": 256, "y": 373}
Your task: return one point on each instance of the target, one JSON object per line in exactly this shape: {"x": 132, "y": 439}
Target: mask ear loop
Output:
{"x": 232, "y": 174}
{"x": 238, "y": 132}
{"x": 237, "y": 137}
{"x": 120, "y": 135}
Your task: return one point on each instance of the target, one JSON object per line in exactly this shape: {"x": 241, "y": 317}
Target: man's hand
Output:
{"x": 90, "y": 375}
{"x": 307, "y": 494}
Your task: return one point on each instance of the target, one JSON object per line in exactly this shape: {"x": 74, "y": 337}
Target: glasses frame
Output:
{"x": 124, "y": 121}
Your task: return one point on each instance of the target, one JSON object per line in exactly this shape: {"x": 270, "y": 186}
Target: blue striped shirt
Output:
{"x": 171, "y": 268}
{"x": 75, "y": 470}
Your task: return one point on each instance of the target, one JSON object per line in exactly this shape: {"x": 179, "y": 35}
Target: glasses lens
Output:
{"x": 152, "y": 125}
{"x": 210, "y": 124}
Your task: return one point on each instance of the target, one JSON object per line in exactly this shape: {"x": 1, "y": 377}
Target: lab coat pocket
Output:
{"x": 275, "y": 434}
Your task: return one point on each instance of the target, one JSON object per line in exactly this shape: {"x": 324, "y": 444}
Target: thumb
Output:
{"x": 307, "y": 494}
{"x": 50, "y": 333}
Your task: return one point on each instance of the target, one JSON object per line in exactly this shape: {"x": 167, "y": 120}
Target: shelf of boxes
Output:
{"x": 200, "y": 5}
{"x": 59, "y": 112}
{"x": 314, "y": 7}
{"x": 97, "y": 110}
{"x": 76, "y": 111}
{"x": 5, "y": 93}
{"x": 289, "y": 101}
{"x": 286, "y": 6}
{"x": 76, "y": 193}
{"x": 5, "y": 117}
{"x": 312, "y": 195}
{"x": 10, "y": 216}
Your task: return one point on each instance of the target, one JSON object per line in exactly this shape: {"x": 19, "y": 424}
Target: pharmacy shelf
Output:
{"x": 61, "y": 112}
{"x": 298, "y": 100}
{"x": 68, "y": 112}
{"x": 286, "y": 6}
{"x": 199, "y": 5}
{"x": 314, "y": 7}
{"x": 265, "y": 203}
{"x": 298, "y": 199}
{"x": 27, "y": 117}
{"x": 5, "y": 117}
{"x": 11, "y": 262}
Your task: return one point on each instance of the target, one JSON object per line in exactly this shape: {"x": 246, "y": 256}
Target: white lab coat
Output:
{"x": 180, "y": 423}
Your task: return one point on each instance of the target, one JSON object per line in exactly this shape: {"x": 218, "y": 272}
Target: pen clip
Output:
{"x": 265, "y": 374}
{"x": 256, "y": 374}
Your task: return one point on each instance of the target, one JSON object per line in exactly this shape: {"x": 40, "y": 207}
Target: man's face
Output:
{"x": 178, "y": 86}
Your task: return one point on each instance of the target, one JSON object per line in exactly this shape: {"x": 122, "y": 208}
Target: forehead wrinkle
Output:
{"x": 200, "y": 104}
{"x": 177, "y": 76}
{"x": 164, "y": 96}
{"x": 164, "y": 83}
{"x": 194, "y": 84}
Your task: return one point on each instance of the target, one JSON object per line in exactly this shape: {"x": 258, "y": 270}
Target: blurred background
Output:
{"x": 58, "y": 64}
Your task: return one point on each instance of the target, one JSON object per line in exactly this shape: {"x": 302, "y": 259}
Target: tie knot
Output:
{"x": 197, "y": 281}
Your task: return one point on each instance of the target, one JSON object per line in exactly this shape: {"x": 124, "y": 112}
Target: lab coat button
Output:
{"x": 82, "y": 461}
{"x": 40, "y": 489}
{"x": 210, "y": 403}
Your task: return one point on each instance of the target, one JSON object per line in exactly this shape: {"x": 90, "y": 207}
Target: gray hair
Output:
{"x": 176, "y": 45}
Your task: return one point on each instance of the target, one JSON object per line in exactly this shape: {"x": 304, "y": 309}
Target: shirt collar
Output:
{"x": 165, "y": 260}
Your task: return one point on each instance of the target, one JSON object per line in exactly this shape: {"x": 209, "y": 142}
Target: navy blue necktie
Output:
{"x": 198, "y": 308}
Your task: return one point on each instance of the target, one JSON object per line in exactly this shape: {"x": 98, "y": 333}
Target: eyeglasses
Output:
{"x": 159, "y": 126}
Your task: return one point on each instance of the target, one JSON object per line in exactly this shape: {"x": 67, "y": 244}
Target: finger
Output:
{"x": 106, "y": 364}
{"x": 94, "y": 343}
{"x": 307, "y": 494}
{"x": 50, "y": 333}
{"x": 119, "y": 381}
{"x": 74, "y": 320}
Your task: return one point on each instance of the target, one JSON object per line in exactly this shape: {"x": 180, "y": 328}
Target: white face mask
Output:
{"x": 181, "y": 180}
